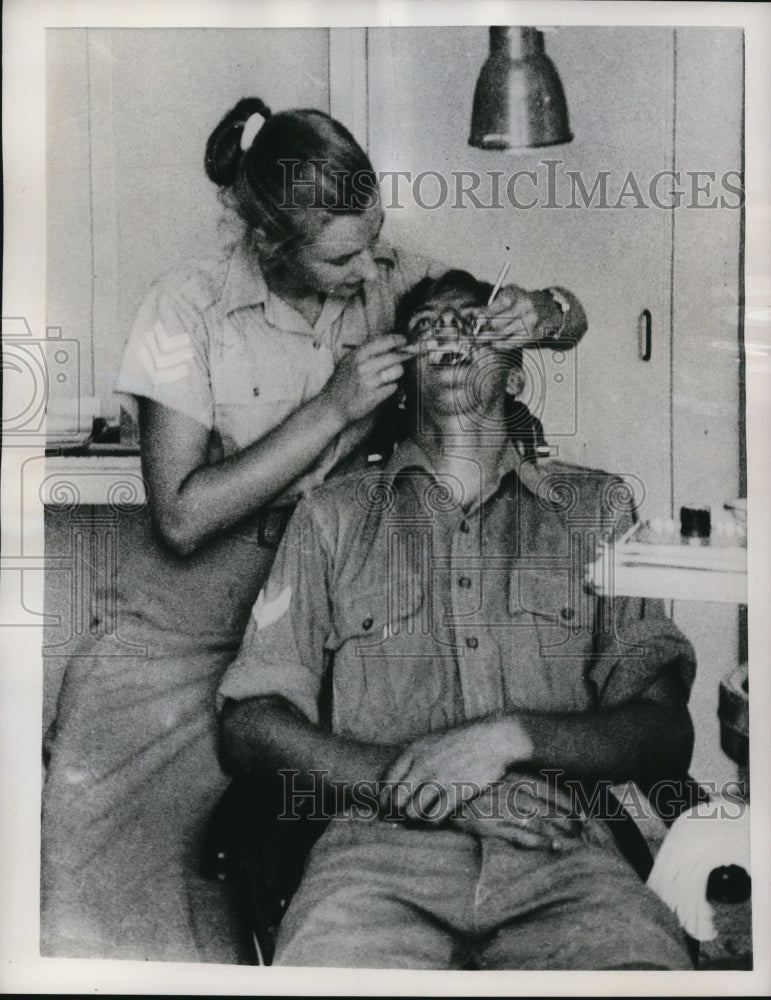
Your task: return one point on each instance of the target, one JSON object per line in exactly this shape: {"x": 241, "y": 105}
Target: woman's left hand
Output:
{"x": 518, "y": 318}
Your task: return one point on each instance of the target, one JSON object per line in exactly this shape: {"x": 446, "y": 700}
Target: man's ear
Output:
{"x": 515, "y": 382}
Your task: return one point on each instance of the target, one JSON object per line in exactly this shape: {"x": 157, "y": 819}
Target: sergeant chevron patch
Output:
{"x": 166, "y": 356}
{"x": 267, "y": 613}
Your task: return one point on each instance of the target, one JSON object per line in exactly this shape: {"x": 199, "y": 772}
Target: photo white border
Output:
{"x": 21, "y": 970}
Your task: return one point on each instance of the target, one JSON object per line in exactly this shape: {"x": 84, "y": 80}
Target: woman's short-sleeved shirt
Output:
{"x": 214, "y": 343}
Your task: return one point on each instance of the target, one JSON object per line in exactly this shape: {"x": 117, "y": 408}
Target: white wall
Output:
{"x": 705, "y": 360}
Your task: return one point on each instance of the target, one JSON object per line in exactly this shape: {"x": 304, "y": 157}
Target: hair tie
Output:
{"x": 252, "y": 126}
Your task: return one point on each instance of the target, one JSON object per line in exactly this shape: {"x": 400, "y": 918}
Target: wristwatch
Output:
{"x": 563, "y": 302}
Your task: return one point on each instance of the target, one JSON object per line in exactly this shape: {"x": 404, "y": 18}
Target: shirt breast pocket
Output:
{"x": 389, "y": 679}
{"x": 247, "y": 407}
{"x": 556, "y": 601}
{"x": 380, "y": 621}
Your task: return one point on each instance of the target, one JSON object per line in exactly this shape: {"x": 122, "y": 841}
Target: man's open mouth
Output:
{"x": 448, "y": 355}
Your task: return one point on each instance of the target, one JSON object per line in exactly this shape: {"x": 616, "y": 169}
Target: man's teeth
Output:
{"x": 448, "y": 356}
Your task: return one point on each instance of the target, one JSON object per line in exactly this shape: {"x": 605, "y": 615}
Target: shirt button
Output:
{"x": 367, "y": 624}
{"x": 464, "y": 527}
{"x": 316, "y": 344}
{"x": 472, "y": 642}
{"x": 567, "y": 614}
{"x": 464, "y": 582}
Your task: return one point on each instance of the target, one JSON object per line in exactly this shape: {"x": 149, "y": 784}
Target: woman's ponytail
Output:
{"x": 223, "y": 150}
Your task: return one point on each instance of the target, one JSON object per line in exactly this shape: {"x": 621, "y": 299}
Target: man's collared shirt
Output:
{"x": 394, "y": 608}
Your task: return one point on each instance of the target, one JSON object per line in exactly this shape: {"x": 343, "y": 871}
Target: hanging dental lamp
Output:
{"x": 519, "y": 102}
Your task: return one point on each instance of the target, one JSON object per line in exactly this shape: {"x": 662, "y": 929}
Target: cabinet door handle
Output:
{"x": 644, "y": 335}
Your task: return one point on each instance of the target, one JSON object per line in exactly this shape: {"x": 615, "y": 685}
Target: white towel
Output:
{"x": 710, "y": 835}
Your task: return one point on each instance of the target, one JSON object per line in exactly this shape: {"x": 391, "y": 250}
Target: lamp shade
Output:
{"x": 519, "y": 102}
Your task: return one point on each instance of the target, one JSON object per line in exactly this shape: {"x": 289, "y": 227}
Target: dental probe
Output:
{"x": 496, "y": 288}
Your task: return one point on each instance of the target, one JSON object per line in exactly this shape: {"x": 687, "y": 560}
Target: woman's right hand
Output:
{"x": 366, "y": 376}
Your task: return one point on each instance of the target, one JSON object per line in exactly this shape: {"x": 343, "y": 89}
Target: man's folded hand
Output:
{"x": 436, "y": 774}
{"x": 525, "y": 811}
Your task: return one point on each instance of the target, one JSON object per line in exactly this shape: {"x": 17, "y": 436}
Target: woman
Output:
{"x": 256, "y": 376}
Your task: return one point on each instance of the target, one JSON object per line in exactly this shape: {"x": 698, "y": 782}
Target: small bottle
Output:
{"x": 695, "y": 524}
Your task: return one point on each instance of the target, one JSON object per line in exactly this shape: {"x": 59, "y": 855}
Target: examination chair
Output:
{"x": 259, "y": 859}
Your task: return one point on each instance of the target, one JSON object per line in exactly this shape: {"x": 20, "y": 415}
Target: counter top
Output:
{"x": 646, "y": 564}
{"x": 95, "y": 474}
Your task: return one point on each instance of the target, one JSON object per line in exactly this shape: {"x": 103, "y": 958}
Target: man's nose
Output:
{"x": 450, "y": 325}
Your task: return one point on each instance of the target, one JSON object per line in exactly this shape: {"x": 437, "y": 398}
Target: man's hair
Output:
{"x": 428, "y": 288}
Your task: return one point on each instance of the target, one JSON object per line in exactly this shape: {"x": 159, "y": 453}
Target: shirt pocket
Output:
{"x": 389, "y": 678}
{"x": 249, "y": 404}
{"x": 378, "y": 621}
{"x": 564, "y": 613}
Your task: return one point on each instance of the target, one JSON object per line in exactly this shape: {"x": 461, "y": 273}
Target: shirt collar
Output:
{"x": 244, "y": 282}
{"x": 410, "y": 455}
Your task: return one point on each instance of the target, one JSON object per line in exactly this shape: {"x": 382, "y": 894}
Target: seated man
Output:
{"x": 426, "y": 657}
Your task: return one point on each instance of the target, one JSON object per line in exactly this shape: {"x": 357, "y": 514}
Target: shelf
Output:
{"x": 644, "y": 565}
